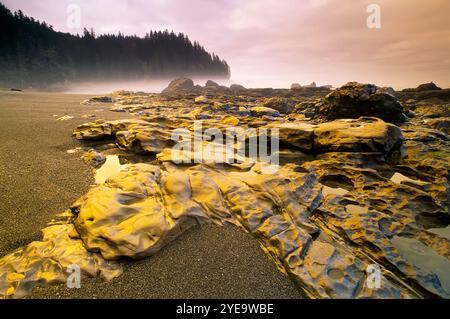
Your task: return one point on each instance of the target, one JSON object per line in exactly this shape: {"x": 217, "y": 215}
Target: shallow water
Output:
{"x": 398, "y": 178}
{"x": 326, "y": 190}
{"x": 424, "y": 258}
{"x": 444, "y": 232}
{"x": 110, "y": 168}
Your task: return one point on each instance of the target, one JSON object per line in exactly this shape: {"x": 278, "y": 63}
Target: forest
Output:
{"x": 33, "y": 54}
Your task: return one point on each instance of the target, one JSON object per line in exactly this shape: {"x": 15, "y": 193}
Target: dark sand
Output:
{"x": 38, "y": 180}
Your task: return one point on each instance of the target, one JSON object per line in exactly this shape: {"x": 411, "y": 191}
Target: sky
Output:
{"x": 274, "y": 43}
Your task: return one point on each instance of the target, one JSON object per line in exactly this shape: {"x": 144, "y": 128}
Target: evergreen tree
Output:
{"x": 32, "y": 53}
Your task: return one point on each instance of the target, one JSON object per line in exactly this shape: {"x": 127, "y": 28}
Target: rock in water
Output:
{"x": 354, "y": 100}
{"x": 179, "y": 85}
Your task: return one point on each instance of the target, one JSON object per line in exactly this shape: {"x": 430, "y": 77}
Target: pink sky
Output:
{"x": 278, "y": 42}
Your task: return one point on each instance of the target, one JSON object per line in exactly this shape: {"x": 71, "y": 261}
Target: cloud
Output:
{"x": 274, "y": 43}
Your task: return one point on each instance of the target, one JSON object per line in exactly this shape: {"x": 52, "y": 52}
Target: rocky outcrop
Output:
{"x": 237, "y": 87}
{"x": 348, "y": 197}
{"x": 282, "y": 105}
{"x": 98, "y": 99}
{"x": 442, "y": 95}
{"x": 359, "y": 135}
{"x": 424, "y": 87}
{"x": 49, "y": 261}
{"x": 179, "y": 85}
{"x": 201, "y": 100}
{"x": 94, "y": 158}
{"x": 211, "y": 84}
{"x": 259, "y": 111}
{"x": 354, "y": 100}
{"x": 441, "y": 124}
{"x": 101, "y": 129}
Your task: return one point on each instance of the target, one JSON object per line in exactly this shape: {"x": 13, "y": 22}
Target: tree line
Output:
{"x": 33, "y": 54}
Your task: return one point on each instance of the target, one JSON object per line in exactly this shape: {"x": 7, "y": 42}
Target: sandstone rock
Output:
{"x": 201, "y": 100}
{"x": 237, "y": 87}
{"x": 94, "y": 158}
{"x": 46, "y": 262}
{"x": 297, "y": 135}
{"x": 441, "y": 124}
{"x": 332, "y": 208}
{"x": 354, "y": 100}
{"x": 179, "y": 85}
{"x": 230, "y": 120}
{"x": 433, "y": 111}
{"x": 351, "y": 135}
{"x": 93, "y": 131}
{"x": 282, "y": 105}
{"x": 424, "y": 87}
{"x": 98, "y": 99}
{"x": 129, "y": 210}
{"x": 211, "y": 84}
{"x": 261, "y": 111}
{"x": 362, "y": 135}
{"x": 101, "y": 129}
{"x": 312, "y": 85}
{"x": 149, "y": 138}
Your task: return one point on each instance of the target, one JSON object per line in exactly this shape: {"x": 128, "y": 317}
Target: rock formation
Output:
{"x": 180, "y": 84}
{"x": 354, "y": 100}
{"x": 348, "y": 195}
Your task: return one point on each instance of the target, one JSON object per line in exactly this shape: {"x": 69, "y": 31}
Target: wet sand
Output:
{"x": 38, "y": 180}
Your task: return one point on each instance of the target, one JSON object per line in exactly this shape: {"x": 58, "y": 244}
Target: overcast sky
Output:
{"x": 278, "y": 42}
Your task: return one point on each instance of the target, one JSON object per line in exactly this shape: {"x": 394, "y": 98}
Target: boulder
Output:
{"x": 282, "y": 105}
{"x": 357, "y": 135}
{"x": 424, "y": 87}
{"x": 346, "y": 135}
{"x": 297, "y": 135}
{"x": 230, "y": 120}
{"x": 98, "y": 99}
{"x": 94, "y": 158}
{"x": 262, "y": 110}
{"x": 211, "y": 84}
{"x": 354, "y": 100}
{"x": 312, "y": 85}
{"x": 179, "y": 85}
{"x": 295, "y": 86}
{"x": 237, "y": 87}
{"x": 201, "y": 100}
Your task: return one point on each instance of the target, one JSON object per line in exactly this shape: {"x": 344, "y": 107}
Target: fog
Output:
{"x": 148, "y": 86}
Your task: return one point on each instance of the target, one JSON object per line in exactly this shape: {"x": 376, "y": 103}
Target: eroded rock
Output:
{"x": 354, "y": 100}
{"x": 47, "y": 262}
{"x": 337, "y": 206}
{"x": 179, "y": 85}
